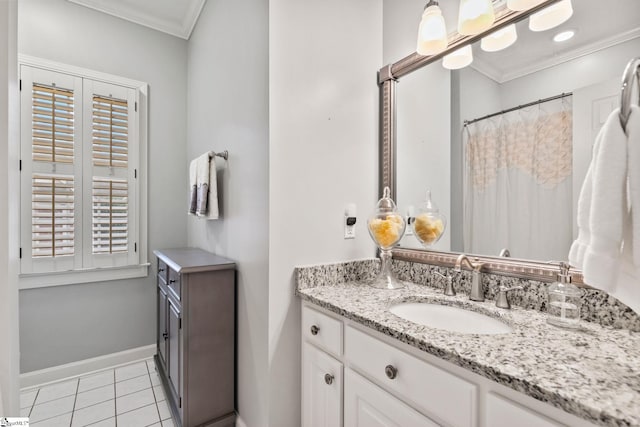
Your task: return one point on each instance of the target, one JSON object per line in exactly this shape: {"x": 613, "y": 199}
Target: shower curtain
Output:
{"x": 517, "y": 187}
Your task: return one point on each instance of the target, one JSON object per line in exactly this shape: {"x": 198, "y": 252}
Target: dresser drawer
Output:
{"x": 437, "y": 393}
{"x": 174, "y": 283}
{"x": 162, "y": 270}
{"x": 322, "y": 330}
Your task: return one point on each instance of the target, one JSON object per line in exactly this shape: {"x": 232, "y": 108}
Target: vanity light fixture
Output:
{"x": 500, "y": 39}
{"x": 520, "y": 5}
{"x": 459, "y": 58}
{"x": 564, "y": 36}
{"x": 432, "y": 32}
{"x": 551, "y": 17}
{"x": 475, "y": 16}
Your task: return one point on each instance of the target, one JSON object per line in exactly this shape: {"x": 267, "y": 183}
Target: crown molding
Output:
{"x": 500, "y": 77}
{"x": 181, "y": 27}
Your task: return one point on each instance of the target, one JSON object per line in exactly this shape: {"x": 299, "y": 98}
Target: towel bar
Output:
{"x": 224, "y": 154}
{"x": 631, "y": 71}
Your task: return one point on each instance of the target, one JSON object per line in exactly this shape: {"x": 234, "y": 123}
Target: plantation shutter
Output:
{"x": 52, "y": 213}
{"x": 110, "y": 127}
{"x": 79, "y": 157}
{"x": 52, "y": 171}
{"x": 110, "y": 216}
{"x": 110, "y": 132}
{"x": 52, "y": 124}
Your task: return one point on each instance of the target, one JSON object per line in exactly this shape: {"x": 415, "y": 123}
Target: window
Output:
{"x": 81, "y": 150}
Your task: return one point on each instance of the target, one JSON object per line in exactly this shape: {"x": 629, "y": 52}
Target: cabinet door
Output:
{"x": 162, "y": 326}
{"x": 322, "y": 389}
{"x": 175, "y": 352}
{"x": 502, "y": 412}
{"x": 367, "y": 405}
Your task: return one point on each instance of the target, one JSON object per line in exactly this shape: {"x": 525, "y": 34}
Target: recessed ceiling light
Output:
{"x": 564, "y": 36}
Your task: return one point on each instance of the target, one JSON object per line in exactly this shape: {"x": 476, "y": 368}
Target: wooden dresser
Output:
{"x": 196, "y": 335}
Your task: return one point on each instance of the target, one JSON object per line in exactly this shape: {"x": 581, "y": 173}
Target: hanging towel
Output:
{"x": 604, "y": 248}
{"x": 203, "y": 187}
{"x": 211, "y": 211}
{"x": 193, "y": 187}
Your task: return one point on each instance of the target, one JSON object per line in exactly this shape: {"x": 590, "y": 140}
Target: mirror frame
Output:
{"x": 387, "y": 79}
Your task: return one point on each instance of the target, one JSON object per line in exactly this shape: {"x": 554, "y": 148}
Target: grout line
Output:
{"x": 34, "y": 401}
{"x": 75, "y": 399}
{"x": 115, "y": 399}
{"x": 96, "y": 422}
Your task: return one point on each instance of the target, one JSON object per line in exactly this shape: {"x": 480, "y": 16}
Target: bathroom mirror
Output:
{"x": 425, "y": 143}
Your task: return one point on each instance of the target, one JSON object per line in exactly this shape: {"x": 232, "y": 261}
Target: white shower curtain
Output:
{"x": 518, "y": 169}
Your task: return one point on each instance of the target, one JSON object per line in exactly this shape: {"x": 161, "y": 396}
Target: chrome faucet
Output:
{"x": 477, "y": 291}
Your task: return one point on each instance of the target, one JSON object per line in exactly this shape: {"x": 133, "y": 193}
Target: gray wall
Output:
{"x": 63, "y": 324}
{"x": 228, "y": 106}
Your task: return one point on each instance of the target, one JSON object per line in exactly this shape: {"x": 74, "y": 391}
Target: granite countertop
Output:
{"x": 593, "y": 373}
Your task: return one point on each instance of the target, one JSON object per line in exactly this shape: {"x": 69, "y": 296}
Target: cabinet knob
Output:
{"x": 328, "y": 378}
{"x": 314, "y": 330}
{"x": 391, "y": 371}
{"x": 165, "y": 335}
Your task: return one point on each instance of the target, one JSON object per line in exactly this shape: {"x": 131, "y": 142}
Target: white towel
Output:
{"x": 203, "y": 187}
{"x": 193, "y": 187}
{"x": 604, "y": 248}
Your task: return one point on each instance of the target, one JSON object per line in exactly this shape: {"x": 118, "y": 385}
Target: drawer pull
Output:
{"x": 165, "y": 335}
{"x": 391, "y": 371}
{"x": 328, "y": 378}
{"x": 314, "y": 330}
{"x": 172, "y": 281}
{"x": 161, "y": 270}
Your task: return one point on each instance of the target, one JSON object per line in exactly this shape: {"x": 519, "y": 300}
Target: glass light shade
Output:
{"x": 432, "y": 33}
{"x": 519, "y": 5}
{"x": 475, "y": 16}
{"x": 459, "y": 58}
{"x": 551, "y": 17}
{"x": 500, "y": 39}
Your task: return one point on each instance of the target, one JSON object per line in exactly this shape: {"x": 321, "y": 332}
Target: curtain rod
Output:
{"x": 539, "y": 101}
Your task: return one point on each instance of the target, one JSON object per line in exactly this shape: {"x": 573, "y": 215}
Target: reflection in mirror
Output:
{"x": 512, "y": 179}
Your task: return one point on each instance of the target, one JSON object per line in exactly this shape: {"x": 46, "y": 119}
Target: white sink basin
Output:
{"x": 449, "y": 318}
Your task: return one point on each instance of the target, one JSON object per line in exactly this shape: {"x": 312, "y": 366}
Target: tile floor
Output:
{"x": 126, "y": 396}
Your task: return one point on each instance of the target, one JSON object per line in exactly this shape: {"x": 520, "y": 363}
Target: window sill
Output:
{"x": 45, "y": 280}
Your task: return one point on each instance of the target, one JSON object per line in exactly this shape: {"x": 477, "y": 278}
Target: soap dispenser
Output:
{"x": 564, "y": 301}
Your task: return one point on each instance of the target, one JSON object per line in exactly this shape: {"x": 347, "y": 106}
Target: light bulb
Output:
{"x": 551, "y": 16}
{"x": 432, "y": 33}
{"x": 500, "y": 39}
{"x": 519, "y": 5}
{"x": 475, "y": 16}
{"x": 459, "y": 58}
{"x": 564, "y": 36}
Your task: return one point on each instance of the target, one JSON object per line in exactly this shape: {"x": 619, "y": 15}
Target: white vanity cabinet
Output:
{"x": 354, "y": 376}
{"x": 322, "y": 379}
{"x": 322, "y": 383}
{"x": 502, "y": 412}
{"x": 367, "y": 405}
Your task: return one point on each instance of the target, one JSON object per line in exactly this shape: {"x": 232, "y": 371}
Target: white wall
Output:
{"x": 101, "y": 318}
{"x": 568, "y": 76}
{"x": 424, "y": 145}
{"x": 323, "y": 103}
{"x": 9, "y": 126}
{"x": 423, "y": 119}
{"x": 228, "y": 80}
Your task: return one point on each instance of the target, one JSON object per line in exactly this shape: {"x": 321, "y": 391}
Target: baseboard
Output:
{"x": 239, "y": 422}
{"x": 84, "y": 367}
